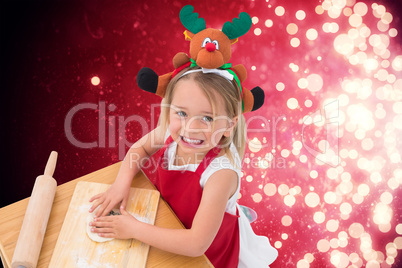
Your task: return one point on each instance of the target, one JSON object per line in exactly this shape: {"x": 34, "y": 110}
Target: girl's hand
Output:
{"x": 120, "y": 226}
{"x": 108, "y": 200}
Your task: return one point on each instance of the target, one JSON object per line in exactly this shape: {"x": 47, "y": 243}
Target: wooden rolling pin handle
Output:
{"x": 30, "y": 239}
{"x": 51, "y": 164}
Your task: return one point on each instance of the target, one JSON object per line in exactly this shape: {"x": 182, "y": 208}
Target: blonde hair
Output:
{"x": 212, "y": 84}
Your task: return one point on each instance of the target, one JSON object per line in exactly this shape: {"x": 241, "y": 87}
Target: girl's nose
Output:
{"x": 193, "y": 124}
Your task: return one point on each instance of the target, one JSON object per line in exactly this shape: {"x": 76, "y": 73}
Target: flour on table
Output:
{"x": 84, "y": 208}
{"x": 141, "y": 219}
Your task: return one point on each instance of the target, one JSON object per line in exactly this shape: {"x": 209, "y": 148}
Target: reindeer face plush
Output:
{"x": 209, "y": 49}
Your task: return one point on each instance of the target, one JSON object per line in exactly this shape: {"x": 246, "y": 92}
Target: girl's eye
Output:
{"x": 181, "y": 114}
{"x": 207, "y": 119}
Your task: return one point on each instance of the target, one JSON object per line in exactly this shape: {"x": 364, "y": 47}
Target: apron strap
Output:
{"x": 168, "y": 141}
{"x": 166, "y": 145}
{"x": 207, "y": 160}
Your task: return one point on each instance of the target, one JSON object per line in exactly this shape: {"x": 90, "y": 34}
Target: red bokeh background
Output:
{"x": 52, "y": 49}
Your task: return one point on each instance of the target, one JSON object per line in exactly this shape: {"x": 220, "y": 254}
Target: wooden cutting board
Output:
{"x": 75, "y": 249}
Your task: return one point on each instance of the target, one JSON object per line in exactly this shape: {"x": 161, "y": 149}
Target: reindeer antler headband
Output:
{"x": 209, "y": 49}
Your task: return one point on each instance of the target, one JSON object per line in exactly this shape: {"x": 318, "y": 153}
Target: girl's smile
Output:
{"x": 191, "y": 142}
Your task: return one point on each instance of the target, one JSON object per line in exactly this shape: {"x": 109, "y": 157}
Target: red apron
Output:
{"x": 182, "y": 190}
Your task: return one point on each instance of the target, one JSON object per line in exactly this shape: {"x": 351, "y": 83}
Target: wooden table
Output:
{"x": 11, "y": 218}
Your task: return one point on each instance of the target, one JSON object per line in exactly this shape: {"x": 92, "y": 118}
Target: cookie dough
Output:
{"x": 94, "y": 236}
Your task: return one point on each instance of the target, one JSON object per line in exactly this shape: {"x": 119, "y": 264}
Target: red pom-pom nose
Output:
{"x": 210, "y": 47}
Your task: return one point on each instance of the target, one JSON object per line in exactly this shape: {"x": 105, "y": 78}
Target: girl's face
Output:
{"x": 192, "y": 119}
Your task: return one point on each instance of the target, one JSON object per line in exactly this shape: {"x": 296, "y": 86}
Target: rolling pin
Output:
{"x": 33, "y": 228}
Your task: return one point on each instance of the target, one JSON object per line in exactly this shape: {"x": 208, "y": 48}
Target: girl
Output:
{"x": 203, "y": 130}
